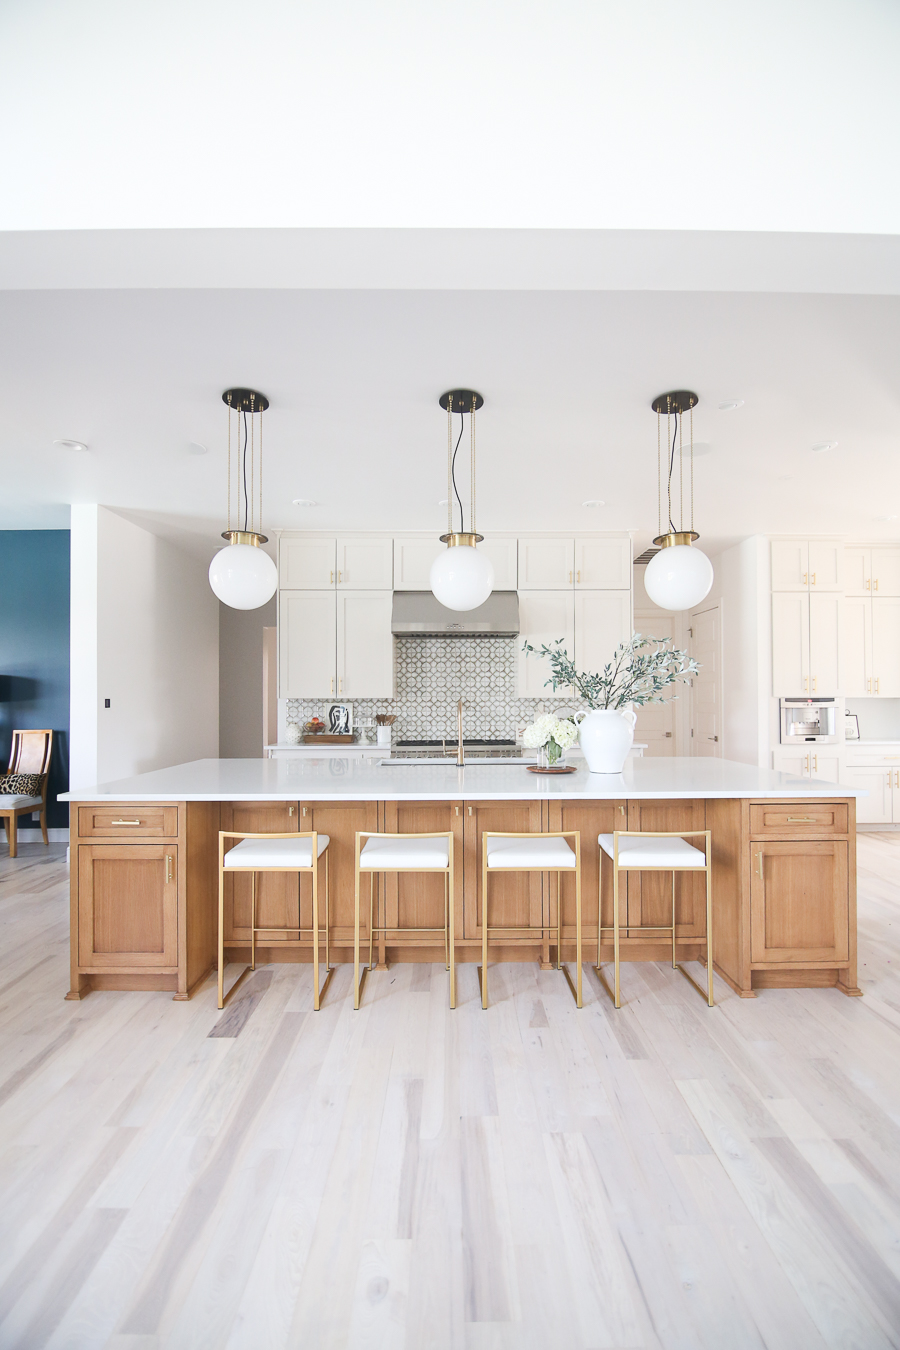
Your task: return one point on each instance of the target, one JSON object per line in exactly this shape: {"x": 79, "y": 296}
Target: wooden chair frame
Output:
{"x": 10, "y": 814}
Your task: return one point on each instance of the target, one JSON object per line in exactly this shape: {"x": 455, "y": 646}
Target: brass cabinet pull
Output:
{"x": 868, "y": 584}
{"x": 457, "y": 810}
{"x": 304, "y": 810}
{"x": 290, "y": 810}
{"x": 340, "y": 684}
{"x": 124, "y": 822}
{"x": 331, "y": 686}
{"x": 331, "y": 577}
{"x": 813, "y": 582}
{"x": 869, "y": 685}
{"x": 578, "y": 577}
{"x": 815, "y": 682}
{"x": 805, "y": 578}
{"x": 875, "y": 584}
{"x": 806, "y": 684}
{"x": 759, "y": 860}
{"x": 801, "y": 820}
{"x": 470, "y": 810}
{"x": 876, "y": 684}
{"x": 340, "y": 577}
{"x": 168, "y": 867}
{"x": 570, "y": 578}
{"x": 622, "y": 809}
{"x": 815, "y": 763}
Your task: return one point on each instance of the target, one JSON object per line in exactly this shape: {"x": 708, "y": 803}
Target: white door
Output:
{"x": 886, "y": 571}
{"x": 824, "y": 643}
{"x": 855, "y": 651}
{"x": 826, "y": 565}
{"x": 306, "y": 644}
{"x": 790, "y": 564}
{"x": 706, "y": 686}
{"x": 857, "y": 571}
{"x": 365, "y": 645}
{"x": 602, "y": 621}
{"x": 306, "y": 564}
{"x": 876, "y": 809}
{"x": 603, "y": 564}
{"x": 412, "y": 562}
{"x": 365, "y": 563}
{"x": 656, "y": 721}
{"x": 546, "y": 564}
{"x": 544, "y": 616}
{"x": 790, "y": 644}
{"x": 886, "y": 648}
{"x": 503, "y": 553}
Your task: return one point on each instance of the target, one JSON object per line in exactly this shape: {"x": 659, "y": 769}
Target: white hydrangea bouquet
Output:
{"x": 552, "y": 735}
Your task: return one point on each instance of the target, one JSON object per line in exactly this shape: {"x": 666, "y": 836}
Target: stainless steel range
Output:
{"x": 447, "y": 749}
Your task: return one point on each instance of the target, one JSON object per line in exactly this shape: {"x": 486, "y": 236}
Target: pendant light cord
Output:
{"x": 244, "y": 460}
{"x": 672, "y": 470}
{"x": 462, "y": 427}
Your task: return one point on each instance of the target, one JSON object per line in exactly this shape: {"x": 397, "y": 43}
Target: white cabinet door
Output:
{"x": 877, "y": 808}
{"x": 790, "y": 644}
{"x": 824, "y": 767}
{"x": 824, "y": 643}
{"x": 886, "y": 648}
{"x": 412, "y": 562}
{"x": 602, "y": 621}
{"x": 544, "y": 616}
{"x": 603, "y": 564}
{"x": 306, "y": 644}
{"x": 546, "y": 564}
{"x": 365, "y": 563}
{"x": 855, "y": 651}
{"x": 826, "y": 565}
{"x": 790, "y": 564}
{"x": 503, "y": 553}
{"x": 365, "y": 646}
{"x": 857, "y": 571}
{"x": 305, "y": 564}
{"x": 795, "y": 762}
{"x": 886, "y": 571}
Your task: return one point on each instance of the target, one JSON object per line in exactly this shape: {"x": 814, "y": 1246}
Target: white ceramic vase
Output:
{"x": 606, "y": 735}
{"x": 292, "y": 734}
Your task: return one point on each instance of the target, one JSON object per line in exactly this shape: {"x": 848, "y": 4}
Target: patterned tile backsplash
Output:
{"x": 432, "y": 673}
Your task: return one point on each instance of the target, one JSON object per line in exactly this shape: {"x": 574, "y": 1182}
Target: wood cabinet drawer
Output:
{"x": 781, "y": 820}
{"x": 134, "y": 821}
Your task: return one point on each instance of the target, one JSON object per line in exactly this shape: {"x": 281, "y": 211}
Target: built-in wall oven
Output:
{"x": 808, "y": 719}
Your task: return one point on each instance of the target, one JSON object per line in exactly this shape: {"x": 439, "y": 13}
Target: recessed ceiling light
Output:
{"x": 595, "y": 502}
{"x": 70, "y": 445}
{"x": 731, "y": 405}
{"x": 786, "y": 478}
{"x": 823, "y": 446}
{"x": 442, "y": 502}
{"x": 885, "y": 517}
{"x": 304, "y": 501}
{"x": 195, "y": 448}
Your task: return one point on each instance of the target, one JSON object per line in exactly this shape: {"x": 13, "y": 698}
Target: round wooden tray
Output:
{"x": 566, "y": 768}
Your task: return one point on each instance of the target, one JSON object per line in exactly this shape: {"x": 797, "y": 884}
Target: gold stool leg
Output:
{"x": 221, "y": 925}
{"x": 559, "y": 964}
{"x": 371, "y": 920}
{"x": 356, "y": 990}
{"x": 252, "y": 920}
{"x": 452, "y": 923}
{"x": 709, "y": 941}
{"x": 315, "y": 919}
{"x": 446, "y": 921}
{"x": 327, "y": 916}
{"x": 484, "y": 924}
{"x": 674, "y": 962}
{"x": 617, "y": 999}
{"x": 578, "y": 955}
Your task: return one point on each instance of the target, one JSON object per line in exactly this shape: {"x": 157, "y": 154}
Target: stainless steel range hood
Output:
{"x": 418, "y": 614}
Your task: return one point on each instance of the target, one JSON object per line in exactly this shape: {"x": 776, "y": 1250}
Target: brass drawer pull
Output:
{"x": 801, "y": 820}
{"x": 759, "y": 859}
{"x": 168, "y": 867}
{"x": 124, "y": 822}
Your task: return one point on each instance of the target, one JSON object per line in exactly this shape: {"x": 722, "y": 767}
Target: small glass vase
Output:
{"x": 551, "y": 756}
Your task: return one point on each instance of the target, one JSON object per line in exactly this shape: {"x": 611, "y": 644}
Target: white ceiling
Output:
{"x": 354, "y": 379}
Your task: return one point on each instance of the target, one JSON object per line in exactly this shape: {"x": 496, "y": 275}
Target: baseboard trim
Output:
{"x": 32, "y": 835}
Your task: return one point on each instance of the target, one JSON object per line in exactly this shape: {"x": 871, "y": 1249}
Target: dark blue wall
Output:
{"x": 34, "y": 648}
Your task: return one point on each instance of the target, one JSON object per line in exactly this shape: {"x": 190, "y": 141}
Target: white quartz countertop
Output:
{"x": 359, "y": 779}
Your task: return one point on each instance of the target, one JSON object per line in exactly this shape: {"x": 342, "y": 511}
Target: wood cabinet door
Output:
{"x": 799, "y": 901}
{"x": 127, "y": 906}
{"x": 515, "y": 898}
{"x": 544, "y": 616}
{"x": 603, "y": 564}
{"x": 855, "y": 649}
{"x": 885, "y": 578}
{"x": 276, "y": 892}
{"x": 590, "y": 819}
{"x": 546, "y": 564}
{"x": 790, "y": 564}
{"x": 825, "y": 613}
{"x": 412, "y": 562}
{"x": 857, "y": 571}
{"x": 340, "y": 821}
{"x": 503, "y": 553}
{"x": 650, "y": 893}
{"x": 306, "y": 564}
{"x": 365, "y": 644}
{"x": 365, "y": 563}
{"x": 886, "y": 648}
{"x": 602, "y": 621}
{"x": 790, "y": 644}
{"x": 416, "y": 899}
{"x": 826, "y": 565}
{"x": 307, "y": 644}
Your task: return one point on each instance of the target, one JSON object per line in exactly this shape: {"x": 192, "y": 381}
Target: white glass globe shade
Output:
{"x": 242, "y": 576}
{"x": 461, "y": 577}
{"x": 678, "y": 577}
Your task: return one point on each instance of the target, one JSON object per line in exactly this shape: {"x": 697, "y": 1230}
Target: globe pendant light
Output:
{"x": 679, "y": 576}
{"x": 461, "y": 577}
{"x": 241, "y": 575}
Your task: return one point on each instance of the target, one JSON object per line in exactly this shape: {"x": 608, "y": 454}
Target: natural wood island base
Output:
{"x": 144, "y": 888}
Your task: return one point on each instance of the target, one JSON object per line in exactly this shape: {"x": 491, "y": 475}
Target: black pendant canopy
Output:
{"x": 464, "y": 400}
{"x": 245, "y": 400}
{"x": 675, "y": 401}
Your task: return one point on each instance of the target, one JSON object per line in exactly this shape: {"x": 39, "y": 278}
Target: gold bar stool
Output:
{"x": 655, "y": 851}
{"x": 404, "y": 853}
{"x": 532, "y": 853}
{"x": 275, "y": 853}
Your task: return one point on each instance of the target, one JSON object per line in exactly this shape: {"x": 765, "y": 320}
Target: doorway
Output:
{"x": 705, "y": 633}
{"x": 656, "y": 721}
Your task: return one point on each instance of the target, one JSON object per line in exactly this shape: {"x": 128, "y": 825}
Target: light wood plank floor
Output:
{"x": 533, "y": 1176}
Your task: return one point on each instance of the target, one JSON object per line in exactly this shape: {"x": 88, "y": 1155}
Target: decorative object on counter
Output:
{"x": 851, "y": 727}
{"x": 679, "y": 576}
{"x": 315, "y": 726}
{"x": 461, "y": 577}
{"x": 383, "y": 724}
{"x": 339, "y": 718}
{"x": 555, "y": 768}
{"x": 551, "y": 737}
{"x": 639, "y": 673}
{"x": 242, "y": 575}
{"x": 292, "y": 734}
{"x": 366, "y": 731}
{"x": 326, "y": 738}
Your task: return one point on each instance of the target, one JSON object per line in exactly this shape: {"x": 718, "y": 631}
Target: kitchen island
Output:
{"x": 144, "y": 865}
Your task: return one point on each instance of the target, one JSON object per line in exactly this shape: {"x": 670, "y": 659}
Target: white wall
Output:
{"x": 241, "y": 729}
{"x": 144, "y": 635}
{"x": 741, "y": 587}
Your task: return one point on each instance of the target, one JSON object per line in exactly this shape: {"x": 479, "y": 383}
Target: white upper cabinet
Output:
{"x": 886, "y": 648}
{"x": 885, "y": 571}
{"x": 306, "y": 564}
{"x": 825, "y": 613}
{"x": 365, "y": 647}
{"x": 857, "y": 571}
{"x": 307, "y": 644}
{"x": 546, "y": 564}
{"x": 826, "y": 565}
{"x": 790, "y": 644}
{"x": 856, "y": 647}
{"x": 503, "y": 553}
{"x": 603, "y": 564}
{"x": 790, "y": 564}
{"x": 412, "y": 561}
{"x": 365, "y": 563}
{"x": 544, "y": 616}
{"x": 602, "y": 621}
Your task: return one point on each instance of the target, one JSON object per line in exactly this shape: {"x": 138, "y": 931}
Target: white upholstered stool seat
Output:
{"x": 645, "y": 854}
{"x": 547, "y": 855}
{"x": 16, "y": 803}
{"x": 258, "y": 854}
{"x": 403, "y": 854}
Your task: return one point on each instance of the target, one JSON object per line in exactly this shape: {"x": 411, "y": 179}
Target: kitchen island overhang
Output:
{"x": 144, "y": 879}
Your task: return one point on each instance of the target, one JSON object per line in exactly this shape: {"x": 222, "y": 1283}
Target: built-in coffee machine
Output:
{"x": 808, "y": 719}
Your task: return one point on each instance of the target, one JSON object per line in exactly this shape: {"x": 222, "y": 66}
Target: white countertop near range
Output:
{"x": 358, "y": 779}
